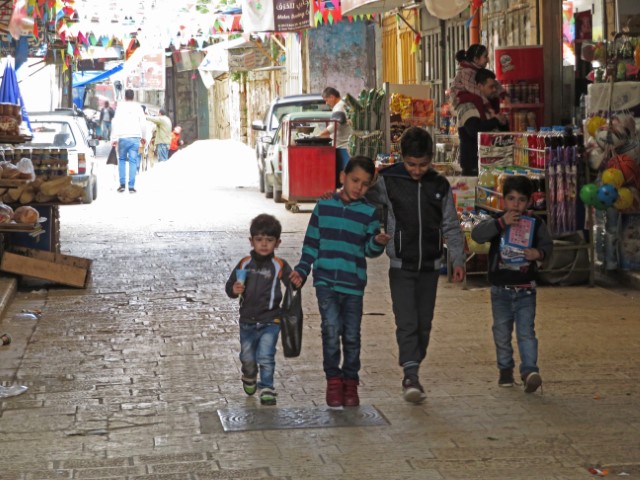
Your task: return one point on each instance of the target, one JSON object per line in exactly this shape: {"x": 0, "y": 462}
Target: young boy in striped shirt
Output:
{"x": 343, "y": 230}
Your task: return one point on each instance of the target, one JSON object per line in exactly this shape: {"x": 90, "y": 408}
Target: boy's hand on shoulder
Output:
{"x": 511, "y": 217}
{"x": 382, "y": 238}
{"x": 238, "y": 288}
{"x": 296, "y": 279}
{"x": 327, "y": 195}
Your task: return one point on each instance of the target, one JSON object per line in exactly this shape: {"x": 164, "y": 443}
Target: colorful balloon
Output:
{"x": 607, "y": 194}
{"x": 625, "y": 199}
{"x": 589, "y": 194}
{"x": 613, "y": 176}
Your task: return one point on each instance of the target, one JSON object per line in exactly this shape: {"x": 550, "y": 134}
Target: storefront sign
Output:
{"x": 275, "y": 15}
{"x": 291, "y": 15}
{"x": 147, "y": 73}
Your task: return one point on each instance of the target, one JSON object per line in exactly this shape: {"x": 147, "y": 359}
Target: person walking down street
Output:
{"x": 512, "y": 273}
{"x": 106, "y": 116}
{"x": 176, "y": 142}
{"x": 163, "y": 134}
{"x": 476, "y": 115}
{"x": 129, "y": 130}
{"x": 332, "y": 98}
{"x": 343, "y": 230}
{"x": 256, "y": 281}
{"x": 418, "y": 205}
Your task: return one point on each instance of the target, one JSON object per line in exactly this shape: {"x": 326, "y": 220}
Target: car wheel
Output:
{"x": 277, "y": 194}
{"x": 94, "y": 189}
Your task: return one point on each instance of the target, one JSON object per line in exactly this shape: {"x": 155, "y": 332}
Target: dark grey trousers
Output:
{"x": 414, "y": 297}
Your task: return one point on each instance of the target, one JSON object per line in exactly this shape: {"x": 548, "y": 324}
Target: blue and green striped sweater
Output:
{"x": 339, "y": 237}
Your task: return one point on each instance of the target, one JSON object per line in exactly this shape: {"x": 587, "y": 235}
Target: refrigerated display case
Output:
{"x": 520, "y": 70}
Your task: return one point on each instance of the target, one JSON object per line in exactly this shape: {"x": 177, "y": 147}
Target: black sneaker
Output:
{"x": 121, "y": 188}
{"x": 249, "y": 385}
{"x": 412, "y": 391}
{"x": 532, "y": 382}
{"x": 132, "y": 190}
{"x": 268, "y": 396}
{"x": 506, "y": 377}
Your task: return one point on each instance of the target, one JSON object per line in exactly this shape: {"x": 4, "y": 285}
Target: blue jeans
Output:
{"x": 258, "y": 349}
{"x": 342, "y": 158}
{"x": 105, "y": 130}
{"x": 341, "y": 315}
{"x": 128, "y": 152}
{"x": 515, "y": 307}
{"x": 163, "y": 152}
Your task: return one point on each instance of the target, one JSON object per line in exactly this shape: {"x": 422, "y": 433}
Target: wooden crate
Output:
{"x": 55, "y": 267}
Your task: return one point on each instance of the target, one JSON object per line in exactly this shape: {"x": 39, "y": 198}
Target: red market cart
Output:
{"x": 308, "y": 160}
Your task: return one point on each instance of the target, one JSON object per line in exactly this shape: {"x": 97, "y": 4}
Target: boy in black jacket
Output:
{"x": 513, "y": 291}
{"x": 260, "y": 297}
{"x": 420, "y": 214}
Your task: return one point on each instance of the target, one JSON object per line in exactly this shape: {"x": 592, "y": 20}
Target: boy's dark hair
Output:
{"x": 416, "y": 142}
{"x": 265, "y": 224}
{"x": 474, "y": 51}
{"x": 484, "y": 74}
{"x": 128, "y": 94}
{"x": 327, "y": 92}
{"x": 365, "y": 163}
{"x": 518, "y": 183}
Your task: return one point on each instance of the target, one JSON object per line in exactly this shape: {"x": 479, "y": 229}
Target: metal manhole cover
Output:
{"x": 246, "y": 419}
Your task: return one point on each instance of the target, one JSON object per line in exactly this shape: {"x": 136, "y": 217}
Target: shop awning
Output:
{"x": 353, "y": 8}
{"x": 80, "y": 79}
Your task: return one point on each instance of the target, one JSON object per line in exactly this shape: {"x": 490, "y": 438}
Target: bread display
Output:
{"x": 6, "y": 213}
{"x": 26, "y": 214}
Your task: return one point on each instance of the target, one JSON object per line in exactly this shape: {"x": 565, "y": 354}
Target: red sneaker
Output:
{"x": 335, "y": 395}
{"x": 350, "y": 391}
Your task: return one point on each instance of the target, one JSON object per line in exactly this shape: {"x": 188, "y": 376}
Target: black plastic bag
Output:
{"x": 291, "y": 327}
{"x": 112, "y": 159}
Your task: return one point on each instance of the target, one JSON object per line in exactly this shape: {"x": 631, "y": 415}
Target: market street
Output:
{"x": 126, "y": 376}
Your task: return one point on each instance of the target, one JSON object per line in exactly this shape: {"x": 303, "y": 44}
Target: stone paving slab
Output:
{"x": 120, "y": 374}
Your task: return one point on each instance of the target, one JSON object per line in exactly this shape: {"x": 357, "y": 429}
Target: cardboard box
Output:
{"x": 55, "y": 267}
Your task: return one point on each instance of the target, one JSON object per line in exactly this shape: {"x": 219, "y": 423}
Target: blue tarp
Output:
{"x": 80, "y": 79}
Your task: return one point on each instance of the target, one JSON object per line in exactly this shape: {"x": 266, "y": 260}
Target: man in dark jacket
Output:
{"x": 475, "y": 115}
{"x": 420, "y": 214}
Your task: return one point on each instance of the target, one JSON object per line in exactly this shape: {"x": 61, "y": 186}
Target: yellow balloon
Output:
{"x": 625, "y": 199}
{"x": 613, "y": 176}
{"x": 594, "y": 123}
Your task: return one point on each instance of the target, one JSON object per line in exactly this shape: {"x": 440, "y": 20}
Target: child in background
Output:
{"x": 464, "y": 85}
{"x": 513, "y": 290}
{"x": 343, "y": 230}
{"x": 260, "y": 297}
{"x": 176, "y": 143}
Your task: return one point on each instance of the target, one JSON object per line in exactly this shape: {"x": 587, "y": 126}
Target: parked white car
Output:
{"x": 66, "y": 128}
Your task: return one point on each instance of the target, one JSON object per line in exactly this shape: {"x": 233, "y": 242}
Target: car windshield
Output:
{"x": 281, "y": 110}
{"x": 52, "y": 134}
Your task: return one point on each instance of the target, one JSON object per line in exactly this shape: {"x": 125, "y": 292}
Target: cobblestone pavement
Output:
{"x": 120, "y": 374}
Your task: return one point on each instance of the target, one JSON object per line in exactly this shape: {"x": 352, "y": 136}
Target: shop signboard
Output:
{"x": 147, "y": 72}
{"x": 275, "y": 15}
